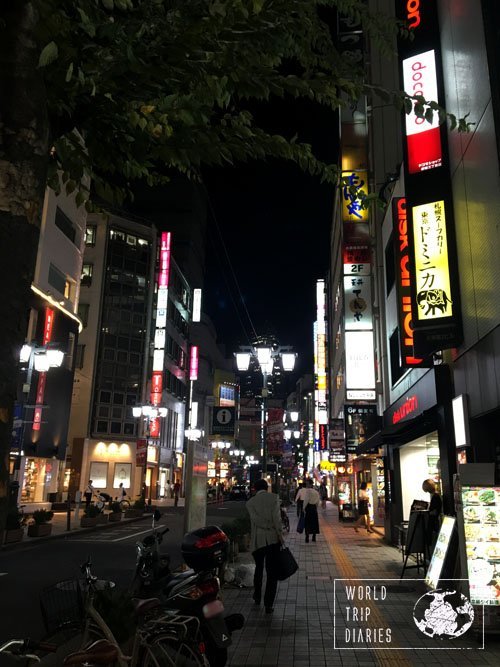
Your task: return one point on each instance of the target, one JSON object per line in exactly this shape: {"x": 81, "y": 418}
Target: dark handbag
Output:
{"x": 300, "y": 523}
{"x": 285, "y": 564}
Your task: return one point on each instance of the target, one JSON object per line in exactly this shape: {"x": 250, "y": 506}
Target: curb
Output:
{"x": 58, "y": 536}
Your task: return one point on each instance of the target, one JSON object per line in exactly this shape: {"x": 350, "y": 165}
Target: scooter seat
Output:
{"x": 101, "y": 652}
{"x": 143, "y": 606}
{"x": 174, "y": 579}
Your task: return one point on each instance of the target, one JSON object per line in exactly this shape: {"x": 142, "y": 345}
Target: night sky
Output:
{"x": 275, "y": 224}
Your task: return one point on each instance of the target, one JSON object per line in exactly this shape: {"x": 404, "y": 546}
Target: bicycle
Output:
{"x": 20, "y": 648}
{"x": 162, "y": 638}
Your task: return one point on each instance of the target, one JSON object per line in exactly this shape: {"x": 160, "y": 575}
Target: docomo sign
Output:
{"x": 423, "y": 139}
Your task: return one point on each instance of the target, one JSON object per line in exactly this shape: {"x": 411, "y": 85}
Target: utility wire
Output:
{"x": 235, "y": 279}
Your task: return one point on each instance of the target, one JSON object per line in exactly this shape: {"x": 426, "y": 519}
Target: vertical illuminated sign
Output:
{"x": 196, "y": 304}
{"x": 432, "y": 271}
{"x": 354, "y": 184}
{"x": 193, "y": 363}
{"x": 423, "y": 139}
{"x": 160, "y": 332}
{"x": 403, "y": 283}
{"x": 321, "y": 411}
{"x": 42, "y": 378}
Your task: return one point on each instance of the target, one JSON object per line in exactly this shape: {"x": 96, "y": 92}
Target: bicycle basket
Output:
{"x": 62, "y": 605}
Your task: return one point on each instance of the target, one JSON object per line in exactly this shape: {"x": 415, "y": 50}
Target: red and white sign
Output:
{"x": 42, "y": 378}
{"x": 423, "y": 138}
{"x": 164, "y": 259}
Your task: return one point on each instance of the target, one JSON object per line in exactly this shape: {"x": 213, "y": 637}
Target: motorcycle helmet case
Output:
{"x": 205, "y": 548}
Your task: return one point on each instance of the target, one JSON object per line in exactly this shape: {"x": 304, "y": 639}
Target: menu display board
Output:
{"x": 440, "y": 550}
{"x": 481, "y": 513}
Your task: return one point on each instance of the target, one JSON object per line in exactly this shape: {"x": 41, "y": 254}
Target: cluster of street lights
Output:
{"x": 42, "y": 357}
{"x": 266, "y": 356}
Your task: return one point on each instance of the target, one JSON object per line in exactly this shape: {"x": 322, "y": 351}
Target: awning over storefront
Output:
{"x": 400, "y": 433}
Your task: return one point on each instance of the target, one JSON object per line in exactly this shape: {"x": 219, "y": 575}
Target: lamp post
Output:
{"x": 148, "y": 413}
{"x": 265, "y": 356}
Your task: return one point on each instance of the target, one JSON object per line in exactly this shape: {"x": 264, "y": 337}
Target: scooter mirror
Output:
{"x": 157, "y": 515}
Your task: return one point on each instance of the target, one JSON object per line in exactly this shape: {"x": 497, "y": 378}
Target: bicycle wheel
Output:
{"x": 170, "y": 651}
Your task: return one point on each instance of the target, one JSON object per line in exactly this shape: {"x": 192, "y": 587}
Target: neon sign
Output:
{"x": 413, "y": 14}
{"x": 409, "y": 406}
{"x": 42, "y": 378}
{"x": 432, "y": 273}
{"x": 193, "y": 363}
{"x": 405, "y": 310}
{"x": 423, "y": 139}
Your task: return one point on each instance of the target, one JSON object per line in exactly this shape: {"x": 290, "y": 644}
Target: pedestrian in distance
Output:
{"x": 172, "y": 490}
{"x": 311, "y": 502}
{"x": 122, "y": 492}
{"x": 177, "y": 490}
{"x": 266, "y": 538}
{"x": 323, "y": 493}
{"x": 89, "y": 492}
{"x": 363, "y": 512}
{"x": 299, "y": 499}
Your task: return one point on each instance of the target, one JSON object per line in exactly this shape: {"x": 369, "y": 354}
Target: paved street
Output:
{"x": 310, "y": 626}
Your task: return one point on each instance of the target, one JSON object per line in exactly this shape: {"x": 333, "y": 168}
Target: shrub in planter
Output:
{"x": 116, "y": 511}
{"x": 137, "y": 509}
{"x": 90, "y": 516}
{"x": 14, "y": 526}
{"x": 41, "y": 525}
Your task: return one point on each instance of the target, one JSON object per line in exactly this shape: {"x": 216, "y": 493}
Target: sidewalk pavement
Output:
{"x": 308, "y": 626}
{"x": 60, "y": 524}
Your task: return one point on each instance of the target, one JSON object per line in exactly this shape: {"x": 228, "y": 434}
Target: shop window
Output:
{"x": 83, "y": 313}
{"x": 390, "y": 267}
{"x": 90, "y": 235}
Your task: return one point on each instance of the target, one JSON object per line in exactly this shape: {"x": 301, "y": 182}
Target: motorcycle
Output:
{"x": 195, "y": 591}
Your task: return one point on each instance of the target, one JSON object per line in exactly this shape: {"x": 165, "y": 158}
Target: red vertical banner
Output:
{"x": 42, "y": 378}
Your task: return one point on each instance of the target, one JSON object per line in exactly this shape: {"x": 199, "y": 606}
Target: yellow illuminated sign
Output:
{"x": 432, "y": 272}
{"x": 326, "y": 465}
{"x": 351, "y": 203}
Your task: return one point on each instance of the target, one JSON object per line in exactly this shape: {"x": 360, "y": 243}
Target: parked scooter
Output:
{"x": 196, "y": 591}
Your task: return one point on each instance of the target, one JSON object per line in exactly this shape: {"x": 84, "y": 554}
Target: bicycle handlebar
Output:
{"x": 26, "y": 645}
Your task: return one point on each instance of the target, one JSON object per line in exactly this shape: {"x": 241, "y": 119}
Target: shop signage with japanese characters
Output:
{"x": 354, "y": 184}
{"x": 358, "y": 302}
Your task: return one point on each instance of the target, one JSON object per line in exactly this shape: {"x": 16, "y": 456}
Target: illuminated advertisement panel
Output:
{"x": 351, "y": 203}
{"x": 440, "y": 552}
{"x": 42, "y": 377}
{"x": 321, "y": 411}
{"x": 423, "y": 139}
{"x": 358, "y": 302}
{"x": 196, "y": 304}
{"x": 193, "y": 363}
{"x": 403, "y": 282}
{"x": 359, "y": 360}
{"x": 432, "y": 272}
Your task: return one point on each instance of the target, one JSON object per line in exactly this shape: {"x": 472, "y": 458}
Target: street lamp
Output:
{"x": 265, "y": 356}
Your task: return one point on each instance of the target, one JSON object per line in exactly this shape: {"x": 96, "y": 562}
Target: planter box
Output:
{"x": 102, "y": 518}
{"x": 88, "y": 522}
{"x": 39, "y": 529}
{"x": 13, "y": 535}
{"x": 115, "y": 516}
{"x": 133, "y": 514}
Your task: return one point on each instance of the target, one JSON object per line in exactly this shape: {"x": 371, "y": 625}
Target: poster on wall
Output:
{"x": 481, "y": 516}
{"x": 99, "y": 474}
{"x": 122, "y": 475}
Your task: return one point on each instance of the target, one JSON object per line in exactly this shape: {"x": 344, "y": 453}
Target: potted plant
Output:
{"x": 137, "y": 510}
{"x": 14, "y": 526}
{"x": 116, "y": 511}
{"x": 41, "y": 526}
{"x": 89, "y": 517}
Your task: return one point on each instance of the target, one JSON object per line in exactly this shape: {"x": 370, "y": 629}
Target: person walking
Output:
{"x": 299, "y": 499}
{"x": 363, "y": 512}
{"x": 122, "y": 492}
{"x": 266, "y": 537}
{"x": 89, "y": 492}
{"x": 323, "y": 493}
{"x": 311, "y": 502}
{"x": 177, "y": 490}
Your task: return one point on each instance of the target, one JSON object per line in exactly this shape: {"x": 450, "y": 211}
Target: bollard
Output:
{"x": 68, "y": 513}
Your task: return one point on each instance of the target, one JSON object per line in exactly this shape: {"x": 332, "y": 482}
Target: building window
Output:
{"x": 87, "y": 270}
{"x": 90, "y": 235}
{"x": 79, "y": 356}
{"x": 102, "y": 427}
{"x": 65, "y": 225}
{"x": 129, "y": 428}
{"x": 83, "y": 313}
{"x": 116, "y": 427}
{"x": 105, "y": 397}
{"x": 57, "y": 279}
